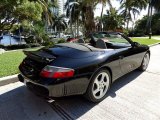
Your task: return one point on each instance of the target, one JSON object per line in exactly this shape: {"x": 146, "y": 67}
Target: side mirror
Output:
{"x": 135, "y": 44}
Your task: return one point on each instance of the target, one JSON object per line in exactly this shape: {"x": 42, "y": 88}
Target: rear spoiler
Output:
{"x": 40, "y": 56}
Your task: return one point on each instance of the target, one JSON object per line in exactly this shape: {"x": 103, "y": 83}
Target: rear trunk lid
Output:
{"x": 37, "y": 60}
{"x": 34, "y": 63}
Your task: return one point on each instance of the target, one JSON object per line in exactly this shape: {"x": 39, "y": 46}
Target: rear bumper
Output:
{"x": 72, "y": 87}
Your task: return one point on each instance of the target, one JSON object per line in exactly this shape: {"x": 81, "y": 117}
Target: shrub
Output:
{"x": 34, "y": 45}
{"x": 30, "y": 39}
{"x": 13, "y": 47}
{"x": 2, "y": 46}
{"x": 136, "y": 33}
{"x": 126, "y": 32}
{"x": 48, "y": 43}
{"x": 62, "y": 40}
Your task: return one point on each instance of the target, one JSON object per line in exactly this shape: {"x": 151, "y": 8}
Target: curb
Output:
{"x": 154, "y": 44}
{"x": 8, "y": 80}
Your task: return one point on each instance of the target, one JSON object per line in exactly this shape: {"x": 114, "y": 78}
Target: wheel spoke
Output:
{"x": 101, "y": 92}
{"x": 96, "y": 91}
{"x": 102, "y": 77}
{"x": 97, "y": 83}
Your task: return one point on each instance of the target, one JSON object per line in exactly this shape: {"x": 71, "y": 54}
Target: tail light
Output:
{"x": 56, "y": 72}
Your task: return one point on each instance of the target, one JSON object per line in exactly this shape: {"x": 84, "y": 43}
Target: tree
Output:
{"x": 84, "y": 9}
{"x": 30, "y": 11}
{"x": 130, "y": 7}
{"x": 60, "y": 23}
{"x": 156, "y": 4}
{"x": 103, "y": 2}
{"x": 7, "y": 8}
{"x": 15, "y": 11}
{"x": 73, "y": 12}
{"x": 140, "y": 24}
{"x": 112, "y": 20}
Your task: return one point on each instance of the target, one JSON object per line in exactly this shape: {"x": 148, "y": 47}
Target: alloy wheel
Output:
{"x": 100, "y": 85}
{"x": 145, "y": 61}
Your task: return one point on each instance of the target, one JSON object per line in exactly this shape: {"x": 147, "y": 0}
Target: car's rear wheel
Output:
{"x": 145, "y": 62}
{"x": 100, "y": 84}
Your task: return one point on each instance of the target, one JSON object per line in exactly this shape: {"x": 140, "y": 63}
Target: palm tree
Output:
{"x": 112, "y": 20}
{"x": 60, "y": 23}
{"x": 73, "y": 11}
{"x": 156, "y": 4}
{"x": 130, "y": 7}
{"x": 103, "y": 2}
{"x": 47, "y": 15}
{"x": 84, "y": 10}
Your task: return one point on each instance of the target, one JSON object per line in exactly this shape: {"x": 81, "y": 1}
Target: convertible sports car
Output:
{"x": 82, "y": 68}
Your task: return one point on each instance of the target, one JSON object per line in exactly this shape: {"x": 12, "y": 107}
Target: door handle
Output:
{"x": 121, "y": 57}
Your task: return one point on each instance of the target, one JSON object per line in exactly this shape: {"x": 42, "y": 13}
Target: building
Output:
{"x": 61, "y": 9}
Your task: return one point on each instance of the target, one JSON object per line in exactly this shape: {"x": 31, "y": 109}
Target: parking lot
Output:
{"x": 136, "y": 96}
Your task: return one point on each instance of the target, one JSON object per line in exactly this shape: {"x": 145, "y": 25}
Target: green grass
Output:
{"x": 145, "y": 41}
{"x": 9, "y": 62}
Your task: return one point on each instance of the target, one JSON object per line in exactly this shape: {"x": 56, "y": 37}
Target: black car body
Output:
{"x": 81, "y": 61}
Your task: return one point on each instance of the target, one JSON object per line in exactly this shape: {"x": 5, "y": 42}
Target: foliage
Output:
{"x": 31, "y": 11}
{"x": 129, "y": 7}
{"x": 62, "y": 40}
{"x": 60, "y": 23}
{"x": 48, "y": 43}
{"x": 112, "y": 20}
{"x": 15, "y": 11}
{"x": 156, "y": 4}
{"x": 7, "y": 9}
{"x": 141, "y": 25}
{"x": 85, "y": 10}
{"x": 20, "y": 46}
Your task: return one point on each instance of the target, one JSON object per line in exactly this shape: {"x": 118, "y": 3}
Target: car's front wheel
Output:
{"x": 145, "y": 62}
{"x": 100, "y": 84}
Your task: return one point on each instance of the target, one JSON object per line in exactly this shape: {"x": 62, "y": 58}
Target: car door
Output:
{"x": 130, "y": 57}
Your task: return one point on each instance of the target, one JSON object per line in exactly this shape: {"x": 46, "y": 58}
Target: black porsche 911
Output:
{"x": 82, "y": 68}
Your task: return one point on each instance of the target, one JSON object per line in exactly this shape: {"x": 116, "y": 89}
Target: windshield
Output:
{"x": 110, "y": 37}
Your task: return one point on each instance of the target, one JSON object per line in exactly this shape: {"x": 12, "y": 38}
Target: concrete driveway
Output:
{"x": 135, "y": 96}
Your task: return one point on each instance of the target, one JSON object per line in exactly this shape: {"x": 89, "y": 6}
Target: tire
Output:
{"x": 99, "y": 86}
{"x": 145, "y": 62}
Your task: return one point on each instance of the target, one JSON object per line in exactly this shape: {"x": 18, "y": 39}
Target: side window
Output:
{"x": 117, "y": 38}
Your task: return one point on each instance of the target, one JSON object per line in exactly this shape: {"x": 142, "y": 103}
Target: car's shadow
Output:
{"x": 20, "y": 100}
{"x": 76, "y": 106}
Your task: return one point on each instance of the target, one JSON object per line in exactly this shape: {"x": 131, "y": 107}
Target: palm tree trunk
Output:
{"x": 89, "y": 20}
{"x": 77, "y": 27}
{"x": 102, "y": 17}
{"x": 147, "y": 25}
{"x": 71, "y": 29}
{"x": 127, "y": 24}
{"x": 150, "y": 24}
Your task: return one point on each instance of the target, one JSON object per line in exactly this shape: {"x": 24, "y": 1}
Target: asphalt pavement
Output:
{"x": 136, "y": 96}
